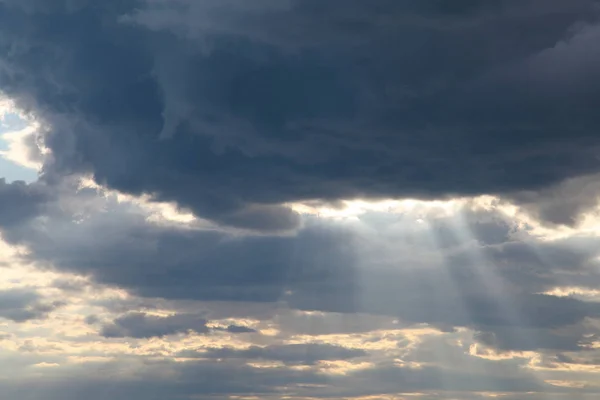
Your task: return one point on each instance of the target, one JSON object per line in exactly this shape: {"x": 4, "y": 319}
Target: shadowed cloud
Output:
{"x": 191, "y": 102}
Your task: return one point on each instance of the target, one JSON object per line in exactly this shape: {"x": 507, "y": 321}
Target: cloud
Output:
{"x": 151, "y": 381}
{"x": 519, "y": 339}
{"x": 139, "y": 325}
{"x": 239, "y": 111}
{"x": 562, "y": 204}
{"x": 293, "y": 354}
{"x": 210, "y": 379}
{"x": 217, "y": 130}
{"x": 239, "y": 329}
{"x": 457, "y": 270}
{"x": 180, "y": 262}
{"x": 20, "y": 305}
{"x": 20, "y": 201}
{"x": 142, "y": 325}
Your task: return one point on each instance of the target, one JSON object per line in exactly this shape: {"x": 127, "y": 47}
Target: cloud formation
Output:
{"x": 289, "y": 354}
{"x": 19, "y": 201}
{"x": 140, "y": 325}
{"x": 20, "y": 305}
{"x": 338, "y": 199}
{"x": 214, "y": 105}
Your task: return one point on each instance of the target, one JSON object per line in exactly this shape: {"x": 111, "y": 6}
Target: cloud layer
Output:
{"x": 301, "y": 199}
{"x": 214, "y": 105}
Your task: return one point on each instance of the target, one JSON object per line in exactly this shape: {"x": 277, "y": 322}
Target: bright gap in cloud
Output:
{"x": 353, "y": 209}
{"x": 157, "y": 212}
{"x": 420, "y": 211}
{"x": 15, "y": 158}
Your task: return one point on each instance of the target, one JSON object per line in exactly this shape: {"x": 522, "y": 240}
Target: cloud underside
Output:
{"x": 232, "y": 109}
{"x": 241, "y": 113}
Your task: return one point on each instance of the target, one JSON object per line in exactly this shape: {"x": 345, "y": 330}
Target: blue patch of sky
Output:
{"x": 8, "y": 169}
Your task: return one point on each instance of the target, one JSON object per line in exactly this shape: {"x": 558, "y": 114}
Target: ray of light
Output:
{"x": 494, "y": 286}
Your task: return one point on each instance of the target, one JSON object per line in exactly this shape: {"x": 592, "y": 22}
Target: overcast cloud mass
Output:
{"x": 299, "y": 199}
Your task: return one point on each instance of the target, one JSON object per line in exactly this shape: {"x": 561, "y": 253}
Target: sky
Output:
{"x": 13, "y": 156}
{"x": 299, "y": 199}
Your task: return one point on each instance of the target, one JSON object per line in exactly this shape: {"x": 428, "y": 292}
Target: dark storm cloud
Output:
{"x": 232, "y": 109}
{"x": 20, "y": 305}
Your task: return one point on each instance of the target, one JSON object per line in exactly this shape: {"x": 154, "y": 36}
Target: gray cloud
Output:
{"x": 239, "y": 329}
{"x": 389, "y": 379}
{"x": 140, "y": 325}
{"x": 305, "y": 354}
{"x": 20, "y": 305}
{"x": 204, "y": 379}
{"x": 211, "y": 379}
{"x": 519, "y": 339}
{"x": 561, "y": 204}
{"x": 20, "y": 201}
{"x": 245, "y": 108}
{"x": 143, "y": 325}
{"x": 118, "y": 247}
